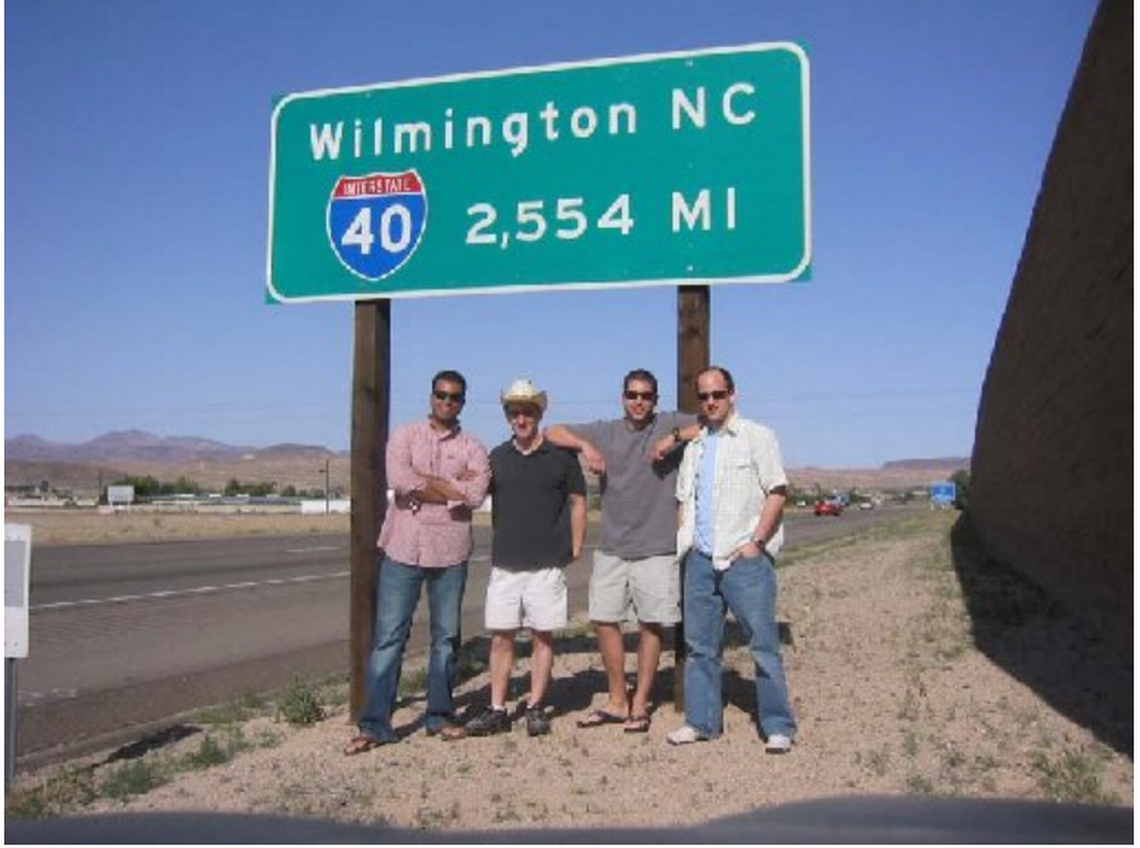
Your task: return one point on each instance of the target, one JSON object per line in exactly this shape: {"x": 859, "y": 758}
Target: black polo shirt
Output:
{"x": 530, "y": 505}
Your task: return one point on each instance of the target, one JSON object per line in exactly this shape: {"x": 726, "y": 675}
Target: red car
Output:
{"x": 828, "y": 508}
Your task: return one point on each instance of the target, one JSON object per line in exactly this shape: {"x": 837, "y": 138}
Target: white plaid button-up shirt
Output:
{"x": 748, "y": 468}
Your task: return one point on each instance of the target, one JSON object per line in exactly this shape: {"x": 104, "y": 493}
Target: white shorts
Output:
{"x": 648, "y": 589}
{"x": 534, "y": 599}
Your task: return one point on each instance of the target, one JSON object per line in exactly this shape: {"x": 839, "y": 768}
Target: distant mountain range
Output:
{"x": 140, "y": 446}
{"x": 87, "y": 466}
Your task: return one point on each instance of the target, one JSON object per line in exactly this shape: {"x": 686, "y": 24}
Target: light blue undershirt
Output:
{"x": 706, "y": 477}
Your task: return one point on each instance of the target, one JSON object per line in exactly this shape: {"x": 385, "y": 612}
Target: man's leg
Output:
{"x": 648, "y": 658}
{"x": 611, "y": 646}
{"x": 750, "y": 590}
{"x": 541, "y": 664}
{"x": 704, "y": 637}
{"x": 655, "y": 586}
{"x": 609, "y": 603}
{"x": 397, "y": 591}
{"x": 502, "y": 661}
{"x": 445, "y": 600}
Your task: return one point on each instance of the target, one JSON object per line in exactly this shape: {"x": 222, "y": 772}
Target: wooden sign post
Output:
{"x": 371, "y": 400}
{"x": 692, "y": 357}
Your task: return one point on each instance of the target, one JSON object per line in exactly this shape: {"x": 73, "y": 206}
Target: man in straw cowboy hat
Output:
{"x": 539, "y": 516}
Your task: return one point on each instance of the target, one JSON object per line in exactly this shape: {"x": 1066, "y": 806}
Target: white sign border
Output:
{"x": 789, "y": 276}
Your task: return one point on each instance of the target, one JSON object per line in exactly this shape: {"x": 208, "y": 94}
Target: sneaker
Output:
{"x": 537, "y": 722}
{"x": 489, "y": 722}
{"x": 778, "y": 743}
{"x": 684, "y": 735}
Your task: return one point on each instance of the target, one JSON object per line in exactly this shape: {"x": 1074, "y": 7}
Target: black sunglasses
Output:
{"x": 632, "y": 395}
{"x": 718, "y": 394}
{"x": 455, "y": 397}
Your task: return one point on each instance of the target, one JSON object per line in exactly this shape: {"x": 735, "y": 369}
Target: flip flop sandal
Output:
{"x": 601, "y": 717}
{"x": 637, "y": 724}
{"x": 360, "y": 744}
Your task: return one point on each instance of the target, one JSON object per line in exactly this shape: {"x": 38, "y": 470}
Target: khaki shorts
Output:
{"x": 534, "y": 599}
{"x": 647, "y": 590}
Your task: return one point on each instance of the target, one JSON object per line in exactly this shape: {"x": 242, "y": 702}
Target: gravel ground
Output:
{"x": 892, "y": 691}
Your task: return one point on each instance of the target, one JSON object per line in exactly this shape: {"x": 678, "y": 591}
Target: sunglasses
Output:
{"x": 718, "y": 394}
{"x": 454, "y": 397}
{"x": 522, "y": 412}
{"x": 632, "y": 395}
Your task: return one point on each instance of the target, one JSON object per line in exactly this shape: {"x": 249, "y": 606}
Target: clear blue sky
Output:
{"x": 137, "y": 153}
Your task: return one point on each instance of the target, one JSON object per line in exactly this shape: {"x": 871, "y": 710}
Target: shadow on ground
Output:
{"x": 1062, "y": 657}
{"x": 578, "y": 692}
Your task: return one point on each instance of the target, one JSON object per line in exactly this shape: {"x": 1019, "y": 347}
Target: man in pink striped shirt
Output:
{"x": 439, "y": 475}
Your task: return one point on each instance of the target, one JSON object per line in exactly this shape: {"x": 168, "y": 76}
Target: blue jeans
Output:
{"x": 397, "y": 593}
{"x": 748, "y": 588}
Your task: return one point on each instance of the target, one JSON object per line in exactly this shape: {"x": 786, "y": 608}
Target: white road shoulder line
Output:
{"x": 197, "y": 590}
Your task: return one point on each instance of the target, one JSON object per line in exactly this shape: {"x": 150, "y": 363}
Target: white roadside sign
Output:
{"x": 17, "y": 569}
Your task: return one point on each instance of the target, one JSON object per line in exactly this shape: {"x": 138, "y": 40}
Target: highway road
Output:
{"x": 124, "y": 636}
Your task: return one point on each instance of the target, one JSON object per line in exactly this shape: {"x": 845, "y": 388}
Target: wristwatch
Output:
{"x": 760, "y": 543}
{"x": 677, "y": 436}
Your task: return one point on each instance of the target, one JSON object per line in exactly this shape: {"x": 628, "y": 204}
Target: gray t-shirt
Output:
{"x": 639, "y": 507}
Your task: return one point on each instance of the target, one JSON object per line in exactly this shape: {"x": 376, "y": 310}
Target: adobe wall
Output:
{"x": 1051, "y": 474}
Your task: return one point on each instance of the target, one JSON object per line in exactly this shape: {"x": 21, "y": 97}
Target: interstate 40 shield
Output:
{"x": 376, "y": 221}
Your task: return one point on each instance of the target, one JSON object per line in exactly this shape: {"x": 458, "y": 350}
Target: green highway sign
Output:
{"x": 648, "y": 170}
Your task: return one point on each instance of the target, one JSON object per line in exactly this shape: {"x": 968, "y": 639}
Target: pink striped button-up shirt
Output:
{"x": 427, "y": 534}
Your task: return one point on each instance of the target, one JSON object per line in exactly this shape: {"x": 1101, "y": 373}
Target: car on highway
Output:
{"x": 828, "y": 507}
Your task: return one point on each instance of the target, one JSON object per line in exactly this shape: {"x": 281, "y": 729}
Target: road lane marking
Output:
{"x": 197, "y": 590}
{"x": 316, "y": 549}
{"x": 29, "y": 699}
{"x": 203, "y": 590}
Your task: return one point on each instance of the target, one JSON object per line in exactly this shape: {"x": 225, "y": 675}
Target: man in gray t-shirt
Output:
{"x": 635, "y": 566}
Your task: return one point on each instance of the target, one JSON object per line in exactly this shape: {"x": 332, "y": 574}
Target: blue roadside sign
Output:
{"x": 943, "y": 492}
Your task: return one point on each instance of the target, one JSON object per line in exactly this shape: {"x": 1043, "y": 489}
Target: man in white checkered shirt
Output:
{"x": 731, "y": 490}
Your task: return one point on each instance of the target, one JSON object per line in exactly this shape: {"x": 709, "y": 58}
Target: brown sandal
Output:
{"x": 637, "y": 724}
{"x": 360, "y": 744}
{"x": 599, "y": 718}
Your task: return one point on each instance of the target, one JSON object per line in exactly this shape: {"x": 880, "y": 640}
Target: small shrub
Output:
{"x": 61, "y": 793}
{"x": 134, "y": 778}
{"x": 209, "y": 753}
{"x": 1073, "y": 777}
{"x": 300, "y": 705}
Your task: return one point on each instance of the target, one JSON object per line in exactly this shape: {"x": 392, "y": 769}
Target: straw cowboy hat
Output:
{"x": 524, "y": 391}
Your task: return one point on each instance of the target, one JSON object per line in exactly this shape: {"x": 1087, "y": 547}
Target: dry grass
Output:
{"x": 89, "y": 526}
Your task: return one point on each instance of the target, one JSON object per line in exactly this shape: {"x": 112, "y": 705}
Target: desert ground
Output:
{"x": 898, "y": 690}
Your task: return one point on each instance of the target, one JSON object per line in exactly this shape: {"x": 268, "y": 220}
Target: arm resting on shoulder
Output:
{"x": 681, "y": 437}
{"x": 564, "y": 437}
